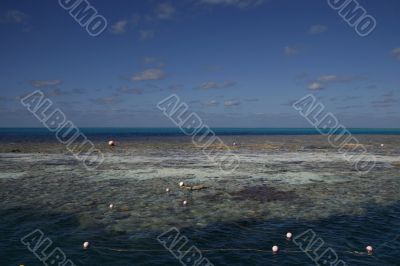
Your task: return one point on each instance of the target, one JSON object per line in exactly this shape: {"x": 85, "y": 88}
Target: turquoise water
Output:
{"x": 292, "y": 182}
{"x": 218, "y": 131}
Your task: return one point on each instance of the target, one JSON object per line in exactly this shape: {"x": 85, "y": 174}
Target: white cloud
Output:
{"x": 107, "y": 100}
{"x": 328, "y": 78}
{"x": 323, "y": 81}
{"x": 150, "y": 74}
{"x": 125, "y": 89}
{"x": 212, "y": 103}
{"x": 342, "y": 79}
{"x": 317, "y": 29}
{"x": 136, "y": 19}
{"x": 165, "y": 11}
{"x": 315, "y": 86}
{"x": 146, "y": 35}
{"x": 45, "y": 83}
{"x": 175, "y": 87}
{"x": 13, "y": 16}
{"x": 149, "y": 60}
{"x": 119, "y": 26}
{"x": 290, "y": 50}
{"x": 388, "y": 100}
{"x": 231, "y": 103}
{"x": 209, "y": 85}
{"x": 234, "y": 3}
{"x": 396, "y": 53}
{"x": 252, "y": 100}
{"x": 153, "y": 62}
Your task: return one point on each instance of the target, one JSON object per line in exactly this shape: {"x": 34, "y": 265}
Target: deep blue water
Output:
{"x": 131, "y": 132}
{"x": 344, "y": 234}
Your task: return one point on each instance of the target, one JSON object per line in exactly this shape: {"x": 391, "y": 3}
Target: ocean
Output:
{"x": 288, "y": 180}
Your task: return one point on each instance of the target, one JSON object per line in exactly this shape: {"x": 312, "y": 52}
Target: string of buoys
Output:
{"x": 219, "y": 249}
{"x": 202, "y": 250}
{"x": 275, "y": 249}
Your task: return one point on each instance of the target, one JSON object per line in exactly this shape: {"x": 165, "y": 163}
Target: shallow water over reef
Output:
{"x": 283, "y": 183}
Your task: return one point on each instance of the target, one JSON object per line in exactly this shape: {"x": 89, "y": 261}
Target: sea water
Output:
{"x": 287, "y": 180}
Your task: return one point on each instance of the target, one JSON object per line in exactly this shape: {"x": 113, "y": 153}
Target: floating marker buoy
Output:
{"x": 181, "y": 184}
{"x": 369, "y": 249}
{"x": 111, "y": 143}
{"x": 275, "y": 249}
{"x": 289, "y": 235}
{"x": 382, "y": 145}
{"x": 167, "y": 189}
{"x": 86, "y": 245}
{"x": 111, "y": 206}
{"x": 185, "y": 203}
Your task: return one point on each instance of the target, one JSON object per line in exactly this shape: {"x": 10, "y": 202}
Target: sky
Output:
{"x": 235, "y": 63}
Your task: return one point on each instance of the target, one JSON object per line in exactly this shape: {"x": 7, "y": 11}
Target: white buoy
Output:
{"x": 181, "y": 184}
{"x": 111, "y": 143}
{"x": 289, "y": 236}
{"x": 369, "y": 249}
{"x": 86, "y": 245}
{"x": 185, "y": 203}
{"x": 111, "y": 206}
{"x": 382, "y": 145}
{"x": 275, "y": 249}
{"x": 167, "y": 189}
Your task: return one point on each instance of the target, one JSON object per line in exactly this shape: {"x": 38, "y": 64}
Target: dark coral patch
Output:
{"x": 263, "y": 194}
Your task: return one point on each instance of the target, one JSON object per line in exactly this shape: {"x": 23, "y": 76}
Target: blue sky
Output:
{"x": 236, "y": 63}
